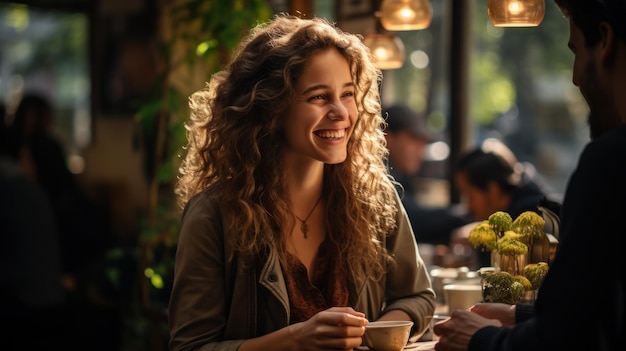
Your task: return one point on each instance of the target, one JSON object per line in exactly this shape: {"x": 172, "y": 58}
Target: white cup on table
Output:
{"x": 461, "y": 296}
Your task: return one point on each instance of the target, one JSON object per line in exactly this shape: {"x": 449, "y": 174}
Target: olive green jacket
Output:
{"x": 216, "y": 304}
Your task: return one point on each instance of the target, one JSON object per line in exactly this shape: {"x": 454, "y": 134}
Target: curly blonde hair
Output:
{"x": 235, "y": 132}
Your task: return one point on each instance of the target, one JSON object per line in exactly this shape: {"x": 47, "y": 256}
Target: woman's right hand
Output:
{"x": 500, "y": 311}
{"x": 337, "y": 328}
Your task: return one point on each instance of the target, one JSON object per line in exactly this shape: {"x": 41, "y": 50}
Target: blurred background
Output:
{"x": 117, "y": 74}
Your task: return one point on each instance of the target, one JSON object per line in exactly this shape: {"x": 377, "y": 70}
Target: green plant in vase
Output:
{"x": 511, "y": 253}
{"x": 502, "y": 287}
{"x": 512, "y": 243}
{"x": 535, "y": 272}
{"x": 531, "y": 226}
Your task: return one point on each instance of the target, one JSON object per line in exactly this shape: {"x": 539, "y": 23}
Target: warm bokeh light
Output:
{"x": 407, "y": 14}
{"x": 437, "y": 151}
{"x": 516, "y": 13}
{"x": 76, "y": 164}
{"x": 419, "y": 59}
{"x": 515, "y": 7}
{"x": 401, "y": 15}
{"x": 387, "y": 49}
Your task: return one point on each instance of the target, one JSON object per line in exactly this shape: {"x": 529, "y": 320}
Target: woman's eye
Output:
{"x": 318, "y": 97}
{"x": 326, "y": 97}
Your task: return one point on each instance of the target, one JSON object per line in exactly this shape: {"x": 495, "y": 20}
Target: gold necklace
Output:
{"x": 303, "y": 226}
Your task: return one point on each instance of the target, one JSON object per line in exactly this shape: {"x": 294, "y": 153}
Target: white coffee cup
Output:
{"x": 462, "y": 296}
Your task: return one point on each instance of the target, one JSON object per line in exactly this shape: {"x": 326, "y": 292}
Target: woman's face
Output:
{"x": 322, "y": 115}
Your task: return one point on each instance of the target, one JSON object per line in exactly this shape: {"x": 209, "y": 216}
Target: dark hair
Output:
{"x": 588, "y": 15}
{"x": 484, "y": 167}
{"x": 32, "y": 105}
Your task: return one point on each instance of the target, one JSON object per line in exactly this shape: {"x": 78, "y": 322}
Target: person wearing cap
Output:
{"x": 407, "y": 136}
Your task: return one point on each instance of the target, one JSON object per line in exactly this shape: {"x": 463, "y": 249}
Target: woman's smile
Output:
{"x": 331, "y": 134}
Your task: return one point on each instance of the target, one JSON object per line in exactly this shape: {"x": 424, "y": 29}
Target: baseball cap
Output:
{"x": 401, "y": 117}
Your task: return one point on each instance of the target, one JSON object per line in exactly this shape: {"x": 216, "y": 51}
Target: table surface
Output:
{"x": 413, "y": 346}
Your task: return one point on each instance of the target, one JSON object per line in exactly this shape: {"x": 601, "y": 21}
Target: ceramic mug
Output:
{"x": 462, "y": 296}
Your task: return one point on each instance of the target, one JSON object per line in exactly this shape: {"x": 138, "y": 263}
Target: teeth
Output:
{"x": 331, "y": 134}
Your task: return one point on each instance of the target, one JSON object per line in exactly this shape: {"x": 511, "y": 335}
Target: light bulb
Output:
{"x": 405, "y": 14}
{"x": 515, "y": 8}
{"x": 516, "y": 13}
{"x": 387, "y": 49}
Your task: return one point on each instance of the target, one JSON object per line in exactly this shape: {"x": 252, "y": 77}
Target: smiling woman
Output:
{"x": 290, "y": 133}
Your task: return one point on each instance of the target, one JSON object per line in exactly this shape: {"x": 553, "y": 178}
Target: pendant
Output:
{"x": 305, "y": 229}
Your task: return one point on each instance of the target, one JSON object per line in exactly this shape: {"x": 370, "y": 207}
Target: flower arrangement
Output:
{"x": 502, "y": 286}
{"x": 508, "y": 236}
{"x": 511, "y": 243}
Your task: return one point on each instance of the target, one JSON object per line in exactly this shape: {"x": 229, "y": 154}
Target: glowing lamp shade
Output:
{"x": 516, "y": 13}
{"x": 387, "y": 49}
{"x": 405, "y": 14}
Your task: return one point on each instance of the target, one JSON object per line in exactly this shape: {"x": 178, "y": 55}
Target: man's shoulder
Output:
{"x": 614, "y": 139}
{"x": 606, "y": 151}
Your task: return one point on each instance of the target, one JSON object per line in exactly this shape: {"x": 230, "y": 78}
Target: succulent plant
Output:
{"x": 510, "y": 238}
{"x": 483, "y": 235}
{"x": 501, "y": 287}
{"x": 500, "y": 222}
{"x": 535, "y": 272}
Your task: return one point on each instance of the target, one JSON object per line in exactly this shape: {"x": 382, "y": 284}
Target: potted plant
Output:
{"x": 502, "y": 286}
{"x": 512, "y": 243}
{"x": 519, "y": 255}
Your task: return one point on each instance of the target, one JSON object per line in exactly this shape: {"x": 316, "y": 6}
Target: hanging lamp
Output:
{"x": 399, "y": 15}
{"x": 387, "y": 49}
{"x": 516, "y": 13}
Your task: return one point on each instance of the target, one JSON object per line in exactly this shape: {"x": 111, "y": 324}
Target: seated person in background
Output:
{"x": 491, "y": 179}
{"x": 407, "y": 138}
{"x": 82, "y": 227}
{"x": 32, "y": 297}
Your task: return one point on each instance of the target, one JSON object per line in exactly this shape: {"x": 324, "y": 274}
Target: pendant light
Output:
{"x": 387, "y": 49}
{"x": 405, "y": 14}
{"x": 516, "y": 13}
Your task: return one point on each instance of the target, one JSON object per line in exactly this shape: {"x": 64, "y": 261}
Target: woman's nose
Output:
{"x": 338, "y": 111}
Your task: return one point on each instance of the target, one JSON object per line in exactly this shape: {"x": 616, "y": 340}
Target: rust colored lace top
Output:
{"x": 327, "y": 288}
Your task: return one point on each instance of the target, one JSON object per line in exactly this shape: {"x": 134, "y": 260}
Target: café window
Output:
{"x": 46, "y": 52}
{"x": 522, "y": 93}
{"x": 519, "y": 90}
